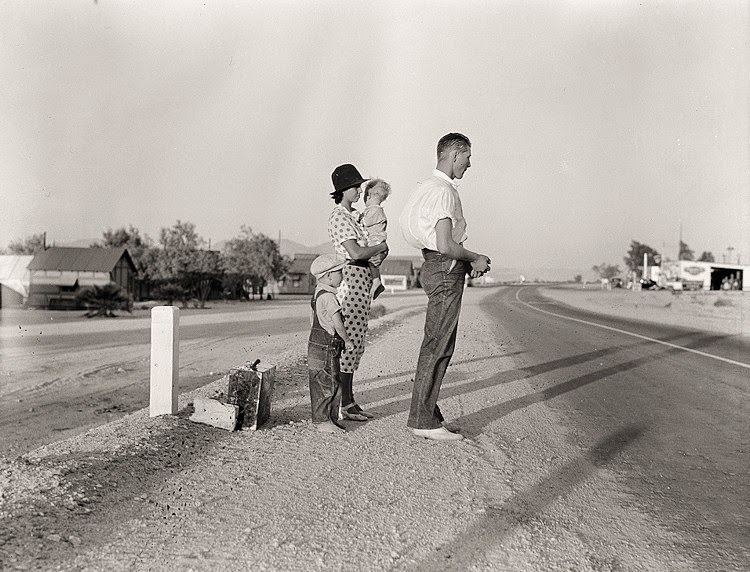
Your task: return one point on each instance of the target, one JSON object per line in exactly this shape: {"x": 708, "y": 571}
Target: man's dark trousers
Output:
{"x": 444, "y": 287}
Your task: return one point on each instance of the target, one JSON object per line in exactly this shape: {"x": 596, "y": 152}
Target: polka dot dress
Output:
{"x": 354, "y": 296}
{"x": 342, "y": 226}
{"x": 354, "y": 292}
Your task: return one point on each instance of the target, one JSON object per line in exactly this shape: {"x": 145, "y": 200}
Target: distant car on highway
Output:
{"x": 649, "y": 284}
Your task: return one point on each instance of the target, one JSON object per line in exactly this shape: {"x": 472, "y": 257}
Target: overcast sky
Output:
{"x": 592, "y": 122}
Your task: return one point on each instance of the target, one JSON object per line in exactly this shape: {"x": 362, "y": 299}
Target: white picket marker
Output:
{"x": 165, "y": 359}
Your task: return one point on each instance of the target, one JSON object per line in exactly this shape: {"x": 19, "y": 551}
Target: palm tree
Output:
{"x": 104, "y": 300}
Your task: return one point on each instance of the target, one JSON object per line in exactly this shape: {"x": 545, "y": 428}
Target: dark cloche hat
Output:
{"x": 345, "y": 177}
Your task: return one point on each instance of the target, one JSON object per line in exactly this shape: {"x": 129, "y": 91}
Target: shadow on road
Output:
{"x": 499, "y": 521}
{"x": 473, "y": 424}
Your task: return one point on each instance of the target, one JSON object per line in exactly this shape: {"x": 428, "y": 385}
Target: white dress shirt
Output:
{"x": 434, "y": 199}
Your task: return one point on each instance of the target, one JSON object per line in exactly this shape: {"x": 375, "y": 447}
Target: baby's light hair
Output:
{"x": 385, "y": 188}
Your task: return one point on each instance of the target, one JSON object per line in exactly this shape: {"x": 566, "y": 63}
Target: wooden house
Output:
{"x": 397, "y": 273}
{"x": 298, "y": 279}
{"x": 400, "y": 272}
{"x": 57, "y": 274}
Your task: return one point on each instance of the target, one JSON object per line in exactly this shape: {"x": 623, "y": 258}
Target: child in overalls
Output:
{"x": 327, "y": 339}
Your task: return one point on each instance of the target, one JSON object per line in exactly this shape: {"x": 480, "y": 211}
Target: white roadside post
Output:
{"x": 165, "y": 359}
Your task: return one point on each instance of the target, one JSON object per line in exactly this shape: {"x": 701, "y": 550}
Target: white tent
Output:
{"x": 14, "y": 273}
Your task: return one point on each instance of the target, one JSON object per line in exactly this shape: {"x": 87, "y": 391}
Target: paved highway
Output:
{"x": 666, "y": 408}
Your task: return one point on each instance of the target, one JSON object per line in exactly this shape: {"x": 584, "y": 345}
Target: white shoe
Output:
{"x": 439, "y": 434}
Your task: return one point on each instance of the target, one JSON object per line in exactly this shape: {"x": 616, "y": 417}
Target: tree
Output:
{"x": 179, "y": 261}
{"x": 634, "y": 259}
{"x": 251, "y": 259}
{"x": 577, "y": 278}
{"x": 139, "y": 247}
{"x": 29, "y": 245}
{"x": 706, "y": 256}
{"x": 177, "y": 248}
{"x": 685, "y": 252}
{"x": 205, "y": 271}
{"x": 607, "y": 271}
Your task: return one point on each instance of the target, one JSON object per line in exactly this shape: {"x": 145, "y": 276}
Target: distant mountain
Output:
{"x": 290, "y": 248}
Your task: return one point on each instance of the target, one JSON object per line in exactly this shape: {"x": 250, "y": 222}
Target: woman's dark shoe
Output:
{"x": 349, "y": 412}
{"x": 361, "y": 411}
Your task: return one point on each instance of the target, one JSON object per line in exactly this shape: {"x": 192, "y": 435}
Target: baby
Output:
{"x": 374, "y": 220}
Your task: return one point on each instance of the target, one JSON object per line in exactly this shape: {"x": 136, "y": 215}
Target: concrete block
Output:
{"x": 215, "y": 413}
{"x": 165, "y": 360}
{"x": 250, "y": 389}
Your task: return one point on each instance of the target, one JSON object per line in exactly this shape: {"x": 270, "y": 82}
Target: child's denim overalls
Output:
{"x": 323, "y": 353}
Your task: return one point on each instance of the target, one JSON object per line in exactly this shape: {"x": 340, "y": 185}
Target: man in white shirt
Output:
{"x": 433, "y": 221}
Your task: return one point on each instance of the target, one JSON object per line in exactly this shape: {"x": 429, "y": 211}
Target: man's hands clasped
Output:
{"x": 480, "y": 266}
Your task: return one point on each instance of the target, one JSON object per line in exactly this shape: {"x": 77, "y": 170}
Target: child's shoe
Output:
{"x": 329, "y": 427}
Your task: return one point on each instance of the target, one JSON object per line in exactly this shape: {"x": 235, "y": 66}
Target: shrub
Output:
{"x": 723, "y": 302}
{"x": 169, "y": 292}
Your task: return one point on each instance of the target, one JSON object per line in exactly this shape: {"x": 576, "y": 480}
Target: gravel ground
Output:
{"x": 168, "y": 494}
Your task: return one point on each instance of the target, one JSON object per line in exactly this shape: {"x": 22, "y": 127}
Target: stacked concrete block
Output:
{"x": 215, "y": 413}
{"x": 250, "y": 389}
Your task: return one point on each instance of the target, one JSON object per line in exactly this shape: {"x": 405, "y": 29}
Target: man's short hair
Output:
{"x": 452, "y": 141}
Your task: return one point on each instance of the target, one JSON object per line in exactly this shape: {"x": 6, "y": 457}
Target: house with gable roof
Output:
{"x": 57, "y": 274}
{"x": 297, "y": 279}
{"x": 400, "y": 272}
{"x": 397, "y": 273}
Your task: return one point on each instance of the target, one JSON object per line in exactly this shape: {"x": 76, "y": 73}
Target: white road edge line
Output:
{"x": 627, "y": 333}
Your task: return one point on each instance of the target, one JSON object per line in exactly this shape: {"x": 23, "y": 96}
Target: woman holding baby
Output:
{"x": 350, "y": 240}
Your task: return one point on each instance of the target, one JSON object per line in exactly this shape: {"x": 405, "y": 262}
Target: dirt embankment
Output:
{"x": 165, "y": 493}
